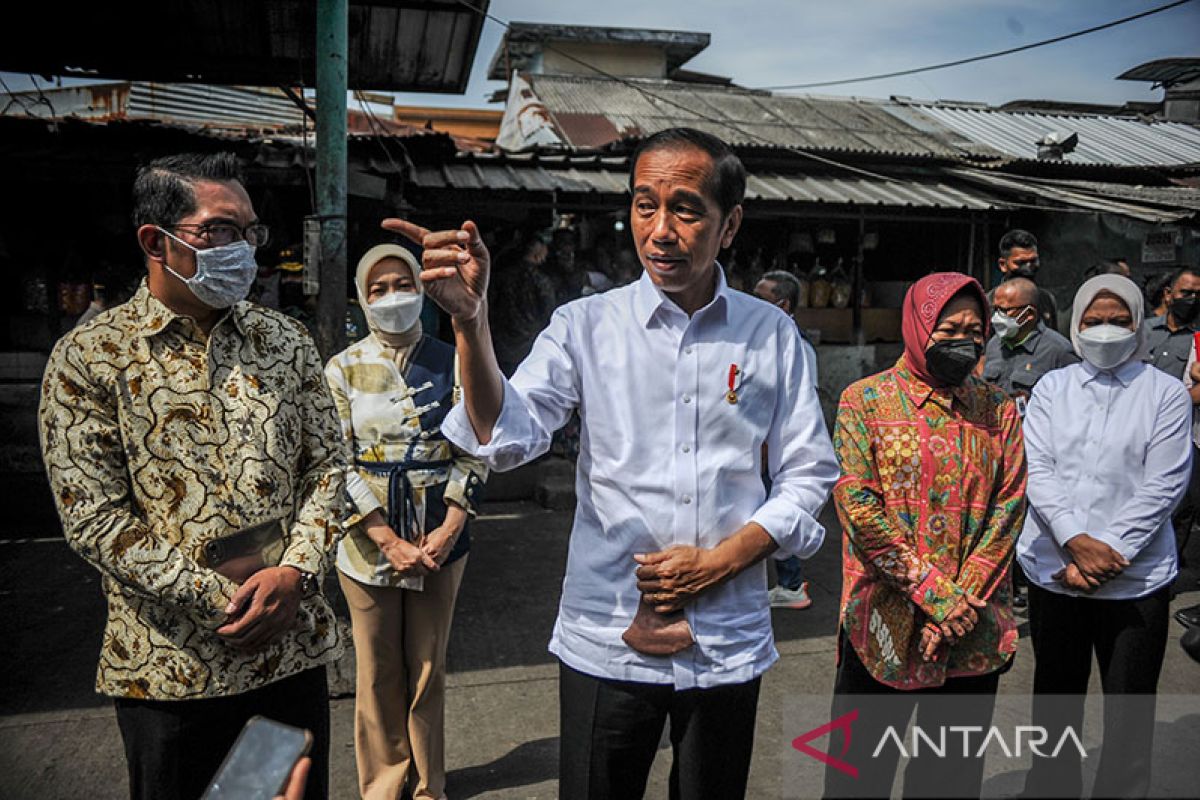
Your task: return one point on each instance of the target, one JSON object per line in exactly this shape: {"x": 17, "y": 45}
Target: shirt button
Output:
{"x": 688, "y": 350}
{"x": 687, "y": 398}
{"x": 687, "y": 448}
{"x": 687, "y": 499}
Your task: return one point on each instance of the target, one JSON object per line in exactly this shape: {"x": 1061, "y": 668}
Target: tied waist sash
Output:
{"x": 402, "y": 511}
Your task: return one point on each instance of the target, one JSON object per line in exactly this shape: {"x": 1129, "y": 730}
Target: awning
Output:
{"x": 611, "y": 176}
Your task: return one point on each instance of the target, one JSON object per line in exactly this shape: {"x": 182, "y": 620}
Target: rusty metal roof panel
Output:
{"x": 1103, "y": 140}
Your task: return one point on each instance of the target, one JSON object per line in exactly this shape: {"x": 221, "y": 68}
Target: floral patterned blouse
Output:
{"x": 931, "y": 500}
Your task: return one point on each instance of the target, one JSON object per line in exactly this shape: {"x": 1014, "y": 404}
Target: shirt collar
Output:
{"x": 648, "y": 298}
{"x": 1158, "y": 323}
{"x": 920, "y": 392}
{"x": 1124, "y": 373}
{"x": 152, "y": 317}
{"x": 1030, "y": 342}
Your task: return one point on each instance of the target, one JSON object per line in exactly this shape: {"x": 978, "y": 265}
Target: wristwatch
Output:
{"x": 308, "y": 584}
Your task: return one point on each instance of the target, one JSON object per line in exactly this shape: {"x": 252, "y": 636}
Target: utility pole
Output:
{"x": 332, "y": 62}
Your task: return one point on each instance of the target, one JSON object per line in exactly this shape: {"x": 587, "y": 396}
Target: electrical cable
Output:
{"x": 984, "y": 57}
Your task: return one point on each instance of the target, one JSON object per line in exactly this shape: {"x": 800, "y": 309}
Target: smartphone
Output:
{"x": 260, "y": 761}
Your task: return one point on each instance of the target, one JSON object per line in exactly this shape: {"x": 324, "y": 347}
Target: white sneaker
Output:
{"x": 782, "y": 597}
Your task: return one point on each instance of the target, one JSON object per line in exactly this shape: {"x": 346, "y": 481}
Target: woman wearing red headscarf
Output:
{"x": 931, "y": 502}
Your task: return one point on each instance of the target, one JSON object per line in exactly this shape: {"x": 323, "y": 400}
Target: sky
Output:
{"x": 762, "y": 43}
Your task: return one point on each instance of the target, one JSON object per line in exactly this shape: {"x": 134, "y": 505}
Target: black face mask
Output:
{"x": 951, "y": 360}
{"x": 1184, "y": 309}
{"x": 1023, "y": 271}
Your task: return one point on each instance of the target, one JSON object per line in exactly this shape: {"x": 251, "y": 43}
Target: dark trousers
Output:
{"x": 1129, "y": 638}
{"x": 790, "y": 572}
{"x": 611, "y": 730}
{"x": 1189, "y": 509}
{"x": 967, "y": 701}
{"x": 173, "y": 747}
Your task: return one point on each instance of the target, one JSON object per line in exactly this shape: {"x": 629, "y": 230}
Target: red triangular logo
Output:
{"x": 843, "y": 722}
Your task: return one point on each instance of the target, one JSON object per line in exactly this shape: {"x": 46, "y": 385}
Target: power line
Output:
{"x": 986, "y": 56}
{"x": 691, "y": 111}
{"x": 378, "y": 132}
{"x": 13, "y": 98}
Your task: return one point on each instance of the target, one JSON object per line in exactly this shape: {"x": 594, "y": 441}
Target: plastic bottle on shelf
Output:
{"x": 821, "y": 287}
{"x": 842, "y": 287}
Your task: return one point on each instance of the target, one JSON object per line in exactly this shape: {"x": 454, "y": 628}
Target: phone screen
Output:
{"x": 260, "y": 761}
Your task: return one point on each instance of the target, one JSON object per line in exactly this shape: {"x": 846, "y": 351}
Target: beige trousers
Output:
{"x": 400, "y": 640}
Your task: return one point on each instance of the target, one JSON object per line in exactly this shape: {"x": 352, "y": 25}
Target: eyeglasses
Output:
{"x": 1011, "y": 311}
{"x": 219, "y": 234}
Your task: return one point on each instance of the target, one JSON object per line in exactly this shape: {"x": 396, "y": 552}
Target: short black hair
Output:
{"x": 1156, "y": 286}
{"x": 164, "y": 193}
{"x": 1017, "y": 238}
{"x": 727, "y": 183}
{"x": 1179, "y": 273}
{"x": 1107, "y": 267}
{"x": 787, "y": 286}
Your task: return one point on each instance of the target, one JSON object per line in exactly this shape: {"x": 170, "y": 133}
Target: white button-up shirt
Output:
{"x": 1109, "y": 455}
{"x": 665, "y": 459}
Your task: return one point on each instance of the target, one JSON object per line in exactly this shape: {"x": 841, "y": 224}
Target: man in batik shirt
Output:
{"x": 174, "y": 420}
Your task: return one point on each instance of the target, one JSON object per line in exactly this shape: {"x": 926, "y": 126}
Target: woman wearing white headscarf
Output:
{"x": 1109, "y": 449}
{"x": 401, "y": 563}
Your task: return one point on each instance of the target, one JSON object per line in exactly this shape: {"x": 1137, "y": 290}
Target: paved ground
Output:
{"x": 59, "y": 740}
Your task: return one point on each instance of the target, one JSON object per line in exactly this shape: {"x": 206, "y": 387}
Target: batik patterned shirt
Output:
{"x": 157, "y": 439}
{"x": 931, "y": 501}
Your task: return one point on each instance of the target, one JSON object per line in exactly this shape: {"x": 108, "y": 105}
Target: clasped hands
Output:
{"x": 1092, "y": 564}
{"x": 672, "y": 578}
{"x": 961, "y": 620}
{"x": 411, "y": 560}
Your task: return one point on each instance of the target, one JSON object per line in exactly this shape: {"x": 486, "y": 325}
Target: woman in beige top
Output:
{"x": 401, "y": 563}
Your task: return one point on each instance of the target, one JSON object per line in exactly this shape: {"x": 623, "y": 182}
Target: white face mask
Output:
{"x": 1106, "y": 346}
{"x": 396, "y": 312}
{"x": 224, "y": 274}
{"x": 1005, "y": 326}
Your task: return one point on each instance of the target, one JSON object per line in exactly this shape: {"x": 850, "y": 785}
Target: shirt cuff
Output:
{"x": 512, "y": 435}
{"x": 1116, "y": 543}
{"x": 215, "y": 593}
{"x": 363, "y": 500}
{"x": 794, "y": 530}
{"x": 936, "y": 595}
{"x": 1064, "y": 528}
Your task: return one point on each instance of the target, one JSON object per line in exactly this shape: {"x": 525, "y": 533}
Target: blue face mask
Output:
{"x": 224, "y": 274}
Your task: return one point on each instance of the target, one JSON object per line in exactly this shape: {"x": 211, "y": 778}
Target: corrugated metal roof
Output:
{"x": 233, "y": 105}
{"x": 611, "y": 176}
{"x": 174, "y": 103}
{"x": 589, "y": 112}
{"x": 1147, "y": 203}
{"x": 1103, "y": 140}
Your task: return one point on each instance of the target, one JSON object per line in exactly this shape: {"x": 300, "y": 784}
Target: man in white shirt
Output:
{"x": 679, "y": 382}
